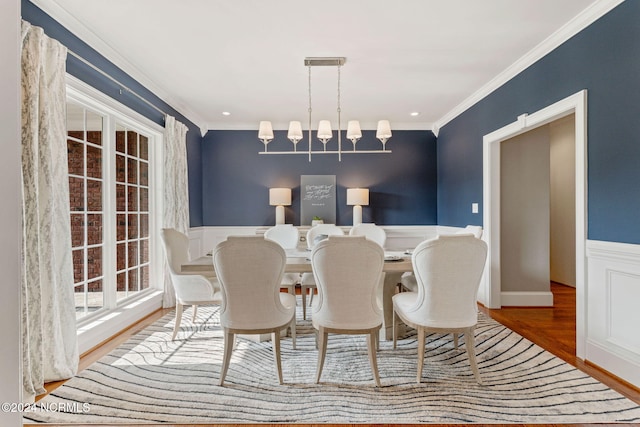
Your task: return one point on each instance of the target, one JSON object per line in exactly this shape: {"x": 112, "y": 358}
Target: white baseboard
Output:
{"x": 617, "y": 364}
{"x": 527, "y": 299}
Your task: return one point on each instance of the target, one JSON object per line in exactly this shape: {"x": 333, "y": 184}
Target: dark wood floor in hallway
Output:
{"x": 551, "y": 328}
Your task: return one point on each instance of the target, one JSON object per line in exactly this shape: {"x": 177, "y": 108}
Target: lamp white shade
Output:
{"x": 280, "y": 196}
{"x": 358, "y": 196}
{"x": 384, "y": 130}
{"x": 295, "y": 131}
{"x": 265, "y": 131}
{"x": 324, "y": 130}
{"x": 353, "y": 130}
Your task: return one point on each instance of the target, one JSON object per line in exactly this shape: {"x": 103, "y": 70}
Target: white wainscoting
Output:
{"x": 399, "y": 237}
{"x": 613, "y": 313}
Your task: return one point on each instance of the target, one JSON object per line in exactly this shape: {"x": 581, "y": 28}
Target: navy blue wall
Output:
{"x": 236, "y": 179}
{"x": 604, "y": 59}
{"x": 76, "y": 68}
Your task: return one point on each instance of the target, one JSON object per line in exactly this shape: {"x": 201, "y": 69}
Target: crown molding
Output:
{"x": 581, "y": 21}
{"x": 77, "y": 28}
{"x": 421, "y": 126}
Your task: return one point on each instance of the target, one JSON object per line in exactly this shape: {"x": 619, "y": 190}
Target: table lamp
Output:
{"x": 358, "y": 197}
{"x": 280, "y": 197}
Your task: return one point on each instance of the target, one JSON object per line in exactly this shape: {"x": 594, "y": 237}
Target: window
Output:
{"x": 86, "y": 195}
{"x": 132, "y": 211}
{"x": 111, "y": 182}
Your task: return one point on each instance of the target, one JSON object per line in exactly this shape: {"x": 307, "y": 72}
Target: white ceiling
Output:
{"x": 246, "y": 57}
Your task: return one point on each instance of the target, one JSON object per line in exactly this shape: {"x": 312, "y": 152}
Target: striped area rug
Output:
{"x": 152, "y": 379}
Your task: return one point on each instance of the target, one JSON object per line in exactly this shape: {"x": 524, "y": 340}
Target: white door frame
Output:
{"x": 574, "y": 104}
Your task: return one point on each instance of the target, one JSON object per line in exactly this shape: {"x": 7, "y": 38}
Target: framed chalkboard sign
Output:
{"x": 318, "y": 198}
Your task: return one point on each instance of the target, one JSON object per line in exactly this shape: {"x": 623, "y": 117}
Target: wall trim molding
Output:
{"x": 625, "y": 252}
{"x": 574, "y": 104}
{"x": 527, "y": 299}
{"x": 399, "y": 237}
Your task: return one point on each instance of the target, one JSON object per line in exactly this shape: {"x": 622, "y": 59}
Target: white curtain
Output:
{"x": 176, "y": 190}
{"x": 49, "y": 337}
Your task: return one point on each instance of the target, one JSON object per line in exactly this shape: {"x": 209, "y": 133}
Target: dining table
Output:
{"x": 299, "y": 261}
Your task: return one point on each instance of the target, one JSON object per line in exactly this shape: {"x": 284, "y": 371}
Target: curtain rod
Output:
{"x": 122, "y": 86}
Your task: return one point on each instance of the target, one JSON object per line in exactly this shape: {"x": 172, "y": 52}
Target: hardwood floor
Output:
{"x": 554, "y": 329}
{"x": 551, "y": 328}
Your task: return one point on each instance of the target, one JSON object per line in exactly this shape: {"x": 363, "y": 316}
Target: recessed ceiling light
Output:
{"x": 415, "y": 113}
{"x": 226, "y": 113}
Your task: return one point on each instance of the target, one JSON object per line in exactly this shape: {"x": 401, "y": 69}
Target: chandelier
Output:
{"x": 324, "y": 132}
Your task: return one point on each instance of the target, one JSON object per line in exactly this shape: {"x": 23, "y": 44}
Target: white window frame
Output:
{"x": 115, "y": 316}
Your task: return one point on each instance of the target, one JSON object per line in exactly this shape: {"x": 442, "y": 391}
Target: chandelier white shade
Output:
{"x": 324, "y": 132}
{"x": 384, "y": 131}
{"x": 265, "y": 133}
{"x": 354, "y": 133}
{"x": 295, "y": 133}
{"x": 280, "y": 197}
{"x": 358, "y": 197}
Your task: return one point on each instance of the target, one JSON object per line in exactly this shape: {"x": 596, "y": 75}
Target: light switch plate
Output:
{"x": 474, "y": 208}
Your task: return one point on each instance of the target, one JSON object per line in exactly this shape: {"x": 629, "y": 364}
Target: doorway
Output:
{"x": 491, "y": 291}
{"x": 537, "y": 213}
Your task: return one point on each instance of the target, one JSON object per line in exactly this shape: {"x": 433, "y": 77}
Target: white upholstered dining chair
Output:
{"x": 315, "y": 234}
{"x": 249, "y": 270}
{"x": 287, "y": 236}
{"x": 190, "y": 289}
{"x": 408, "y": 280}
{"x": 347, "y": 271}
{"x": 448, "y": 270}
{"x": 371, "y": 231}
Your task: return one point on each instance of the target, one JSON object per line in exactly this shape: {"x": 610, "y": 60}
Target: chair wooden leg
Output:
{"x": 469, "y": 339}
{"x": 322, "y": 351}
{"x": 421, "y": 343}
{"x": 371, "y": 343}
{"x": 195, "y": 311}
{"x": 455, "y": 340}
{"x": 176, "y": 324}
{"x": 275, "y": 337}
{"x": 293, "y": 332}
{"x": 303, "y": 293}
{"x": 316, "y": 333}
{"x": 229, "y": 340}
{"x": 395, "y": 329}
